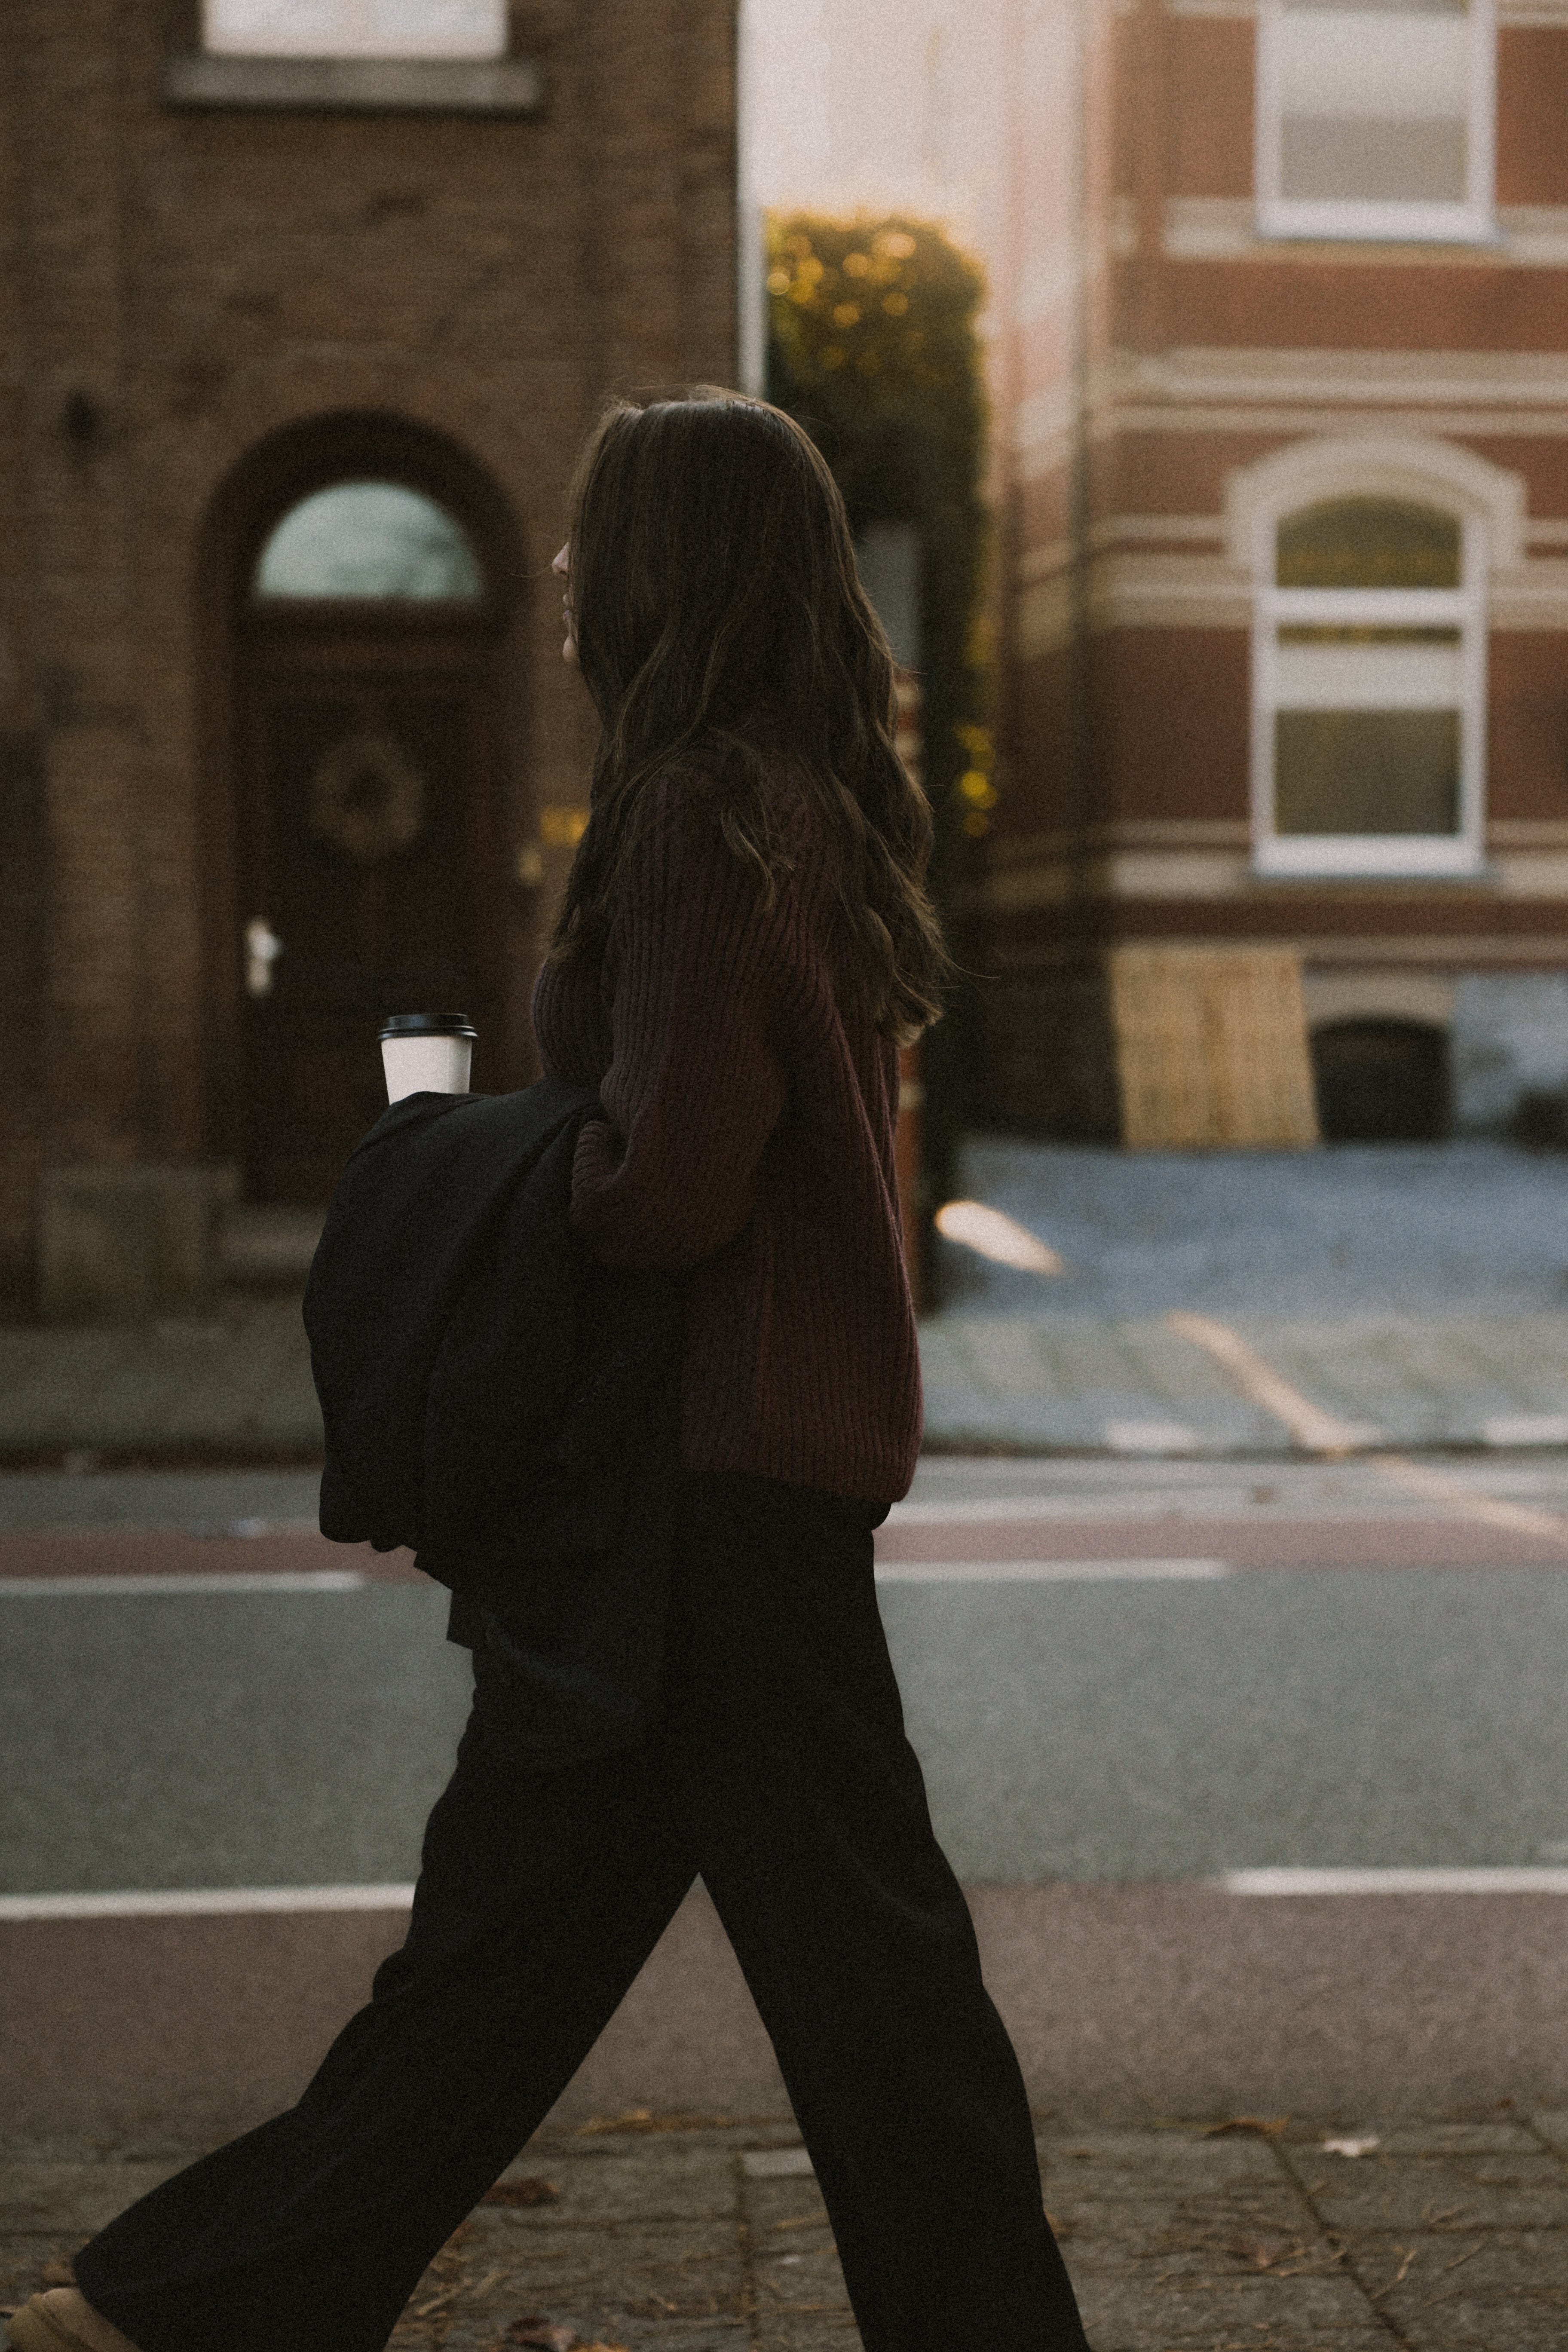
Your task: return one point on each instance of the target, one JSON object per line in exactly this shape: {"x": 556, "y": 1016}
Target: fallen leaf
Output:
{"x": 422, "y": 2310}
{"x": 532, "y": 2191}
{"x": 1401, "y": 2274}
{"x": 1351, "y": 2148}
{"x": 1271, "y": 2126}
{"x": 1256, "y": 2252}
{"x": 549, "y": 2335}
{"x": 57, "y": 2275}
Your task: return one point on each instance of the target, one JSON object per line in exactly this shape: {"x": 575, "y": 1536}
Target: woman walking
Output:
{"x": 744, "y": 943}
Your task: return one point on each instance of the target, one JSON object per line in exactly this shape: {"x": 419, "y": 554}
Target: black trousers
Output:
{"x": 783, "y": 1775}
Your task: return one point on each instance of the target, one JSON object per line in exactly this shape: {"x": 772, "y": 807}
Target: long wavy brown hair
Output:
{"x": 721, "y": 623}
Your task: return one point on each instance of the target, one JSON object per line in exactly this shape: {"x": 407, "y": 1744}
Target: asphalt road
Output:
{"x": 1110, "y": 1672}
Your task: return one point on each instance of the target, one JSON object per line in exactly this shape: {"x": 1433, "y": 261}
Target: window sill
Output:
{"x": 1325, "y": 226}
{"x": 1380, "y": 877}
{"x": 498, "y": 87}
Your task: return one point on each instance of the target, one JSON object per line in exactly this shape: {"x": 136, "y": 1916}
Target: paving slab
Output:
{"x": 237, "y": 1381}
{"x": 1081, "y": 1384}
{"x": 1471, "y": 1228}
{"x": 1059, "y": 1382}
{"x": 655, "y": 2233}
{"x": 1418, "y": 1294}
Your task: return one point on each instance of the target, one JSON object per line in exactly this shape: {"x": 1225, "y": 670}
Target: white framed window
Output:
{"x": 1369, "y": 689}
{"x": 354, "y": 28}
{"x": 1375, "y": 117}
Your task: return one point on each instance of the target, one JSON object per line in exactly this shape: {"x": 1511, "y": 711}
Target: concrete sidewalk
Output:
{"x": 1410, "y": 1296}
{"x": 663, "y": 2234}
{"x": 1416, "y": 1294}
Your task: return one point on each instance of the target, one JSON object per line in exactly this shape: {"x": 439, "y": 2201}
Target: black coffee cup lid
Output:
{"x": 427, "y": 1025}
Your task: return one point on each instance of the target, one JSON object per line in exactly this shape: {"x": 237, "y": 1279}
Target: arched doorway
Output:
{"x": 370, "y": 768}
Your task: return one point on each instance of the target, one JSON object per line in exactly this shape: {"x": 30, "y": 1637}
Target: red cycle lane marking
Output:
{"x": 170, "y": 1551}
{"x": 1366, "y": 1543}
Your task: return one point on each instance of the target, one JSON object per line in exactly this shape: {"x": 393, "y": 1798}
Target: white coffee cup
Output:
{"x": 427, "y": 1053}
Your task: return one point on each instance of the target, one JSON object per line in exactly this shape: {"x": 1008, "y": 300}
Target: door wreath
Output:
{"x": 367, "y": 795}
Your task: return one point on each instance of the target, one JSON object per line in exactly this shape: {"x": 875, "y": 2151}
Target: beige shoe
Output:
{"x": 36, "y": 2329}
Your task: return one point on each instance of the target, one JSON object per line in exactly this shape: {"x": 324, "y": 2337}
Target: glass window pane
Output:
{"x": 1362, "y": 633}
{"x": 368, "y": 539}
{"x": 1375, "y": 102}
{"x": 354, "y": 28}
{"x": 1369, "y": 543}
{"x": 1366, "y": 771}
{"x": 888, "y": 557}
{"x": 1368, "y": 677}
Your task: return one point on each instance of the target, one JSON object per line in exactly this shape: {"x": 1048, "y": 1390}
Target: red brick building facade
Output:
{"x": 229, "y": 284}
{"x": 1282, "y": 384}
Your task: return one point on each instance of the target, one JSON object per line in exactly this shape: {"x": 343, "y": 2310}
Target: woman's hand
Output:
{"x": 562, "y": 569}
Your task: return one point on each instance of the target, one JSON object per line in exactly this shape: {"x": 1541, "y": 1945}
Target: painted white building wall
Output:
{"x": 878, "y": 106}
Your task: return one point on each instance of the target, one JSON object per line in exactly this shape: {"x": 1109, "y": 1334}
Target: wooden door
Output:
{"x": 370, "y": 850}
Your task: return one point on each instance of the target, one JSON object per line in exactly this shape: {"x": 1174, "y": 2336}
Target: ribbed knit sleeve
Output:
{"x": 751, "y": 1104}
{"x": 694, "y": 1087}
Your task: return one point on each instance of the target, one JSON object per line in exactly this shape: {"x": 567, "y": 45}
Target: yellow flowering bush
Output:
{"x": 873, "y": 349}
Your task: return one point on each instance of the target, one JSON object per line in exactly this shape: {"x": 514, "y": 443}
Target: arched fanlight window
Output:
{"x": 369, "y": 539}
{"x": 1368, "y": 691}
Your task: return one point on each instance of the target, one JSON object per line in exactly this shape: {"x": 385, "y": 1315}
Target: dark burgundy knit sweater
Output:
{"x": 750, "y": 1139}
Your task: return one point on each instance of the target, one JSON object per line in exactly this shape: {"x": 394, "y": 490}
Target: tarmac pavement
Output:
{"x": 1417, "y": 1294}
{"x": 1254, "y": 1779}
{"x": 1350, "y": 2233}
{"x": 1203, "y": 1682}
{"x": 1253, "y": 1764}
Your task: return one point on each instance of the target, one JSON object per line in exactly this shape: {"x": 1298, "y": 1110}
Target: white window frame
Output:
{"x": 1369, "y": 856}
{"x": 343, "y": 28}
{"x": 1469, "y": 223}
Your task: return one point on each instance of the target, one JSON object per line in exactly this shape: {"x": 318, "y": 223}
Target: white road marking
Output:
{"x": 1051, "y": 1571}
{"x": 992, "y": 1510}
{"x": 993, "y": 1234}
{"x": 1315, "y": 1431}
{"x": 1440, "y": 1880}
{"x": 1152, "y": 1437}
{"x": 1526, "y": 1429}
{"x": 203, "y": 1902}
{"x": 1487, "y": 1510}
{"x": 128, "y": 1588}
{"x": 237, "y": 1901}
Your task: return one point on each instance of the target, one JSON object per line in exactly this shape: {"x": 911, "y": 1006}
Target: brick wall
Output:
{"x": 1167, "y": 350}
{"x": 176, "y": 285}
